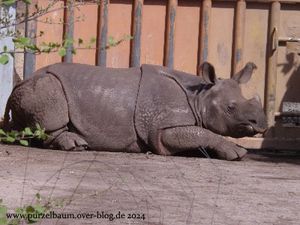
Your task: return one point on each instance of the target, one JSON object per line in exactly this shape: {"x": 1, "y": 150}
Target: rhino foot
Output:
{"x": 70, "y": 142}
{"x": 230, "y": 151}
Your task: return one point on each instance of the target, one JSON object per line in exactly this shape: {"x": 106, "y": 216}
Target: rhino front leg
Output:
{"x": 192, "y": 137}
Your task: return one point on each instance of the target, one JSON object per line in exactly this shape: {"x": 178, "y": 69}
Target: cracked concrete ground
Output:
{"x": 262, "y": 189}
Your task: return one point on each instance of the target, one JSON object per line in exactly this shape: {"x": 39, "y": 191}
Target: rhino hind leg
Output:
{"x": 67, "y": 141}
{"x": 42, "y": 100}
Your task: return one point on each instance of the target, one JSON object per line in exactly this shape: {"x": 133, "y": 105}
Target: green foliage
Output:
{"x": 26, "y": 44}
{"x": 23, "y": 137}
{"x": 11, "y": 2}
{"x": 4, "y": 59}
{"x": 27, "y": 212}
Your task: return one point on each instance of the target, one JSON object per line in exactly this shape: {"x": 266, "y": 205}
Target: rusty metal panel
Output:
{"x": 221, "y": 35}
{"x": 153, "y": 32}
{"x": 186, "y": 36}
{"x": 119, "y": 25}
{"x": 85, "y": 28}
{"x": 256, "y": 32}
{"x": 288, "y": 79}
{"x": 53, "y": 32}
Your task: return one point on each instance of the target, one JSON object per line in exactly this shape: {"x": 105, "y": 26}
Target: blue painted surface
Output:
{"x": 6, "y": 71}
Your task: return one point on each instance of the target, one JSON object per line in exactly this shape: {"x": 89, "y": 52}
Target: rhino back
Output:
{"x": 162, "y": 103}
{"x": 101, "y": 103}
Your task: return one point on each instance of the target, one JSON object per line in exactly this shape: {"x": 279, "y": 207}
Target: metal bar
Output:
{"x": 204, "y": 32}
{"x": 288, "y": 39}
{"x": 136, "y": 33}
{"x": 169, "y": 36}
{"x": 271, "y": 78}
{"x": 68, "y": 31}
{"x": 239, "y": 33}
{"x": 102, "y": 33}
{"x": 30, "y": 31}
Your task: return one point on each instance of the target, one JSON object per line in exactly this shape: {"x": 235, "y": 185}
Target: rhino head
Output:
{"x": 224, "y": 110}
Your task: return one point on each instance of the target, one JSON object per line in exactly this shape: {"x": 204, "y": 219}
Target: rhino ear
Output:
{"x": 245, "y": 74}
{"x": 208, "y": 72}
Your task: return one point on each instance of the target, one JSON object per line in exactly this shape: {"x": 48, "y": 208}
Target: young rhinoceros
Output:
{"x": 138, "y": 109}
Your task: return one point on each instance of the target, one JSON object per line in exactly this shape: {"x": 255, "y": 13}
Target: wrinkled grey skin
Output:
{"x": 136, "y": 110}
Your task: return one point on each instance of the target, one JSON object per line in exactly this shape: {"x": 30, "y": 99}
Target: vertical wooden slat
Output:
{"x": 169, "y": 35}
{"x": 204, "y": 31}
{"x": 136, "y": 33}
{"x": 68, "y": 33}
{"x": 102, "y": 33}
{"x": 239, "y": 30}
{"x": 30, "y": 31}
{"x": 271, "y": 78}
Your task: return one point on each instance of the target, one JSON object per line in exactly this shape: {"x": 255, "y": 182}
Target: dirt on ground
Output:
{"x": 122, "y": 188}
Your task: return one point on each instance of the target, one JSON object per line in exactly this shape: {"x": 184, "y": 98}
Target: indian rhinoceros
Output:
{"x": 151, "y": 108}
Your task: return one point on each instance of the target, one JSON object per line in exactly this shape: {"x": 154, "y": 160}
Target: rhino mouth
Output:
{"x": 248, "y": 130}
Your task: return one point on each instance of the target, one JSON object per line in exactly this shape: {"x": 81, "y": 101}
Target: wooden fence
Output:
{"x": 182, "y": 35}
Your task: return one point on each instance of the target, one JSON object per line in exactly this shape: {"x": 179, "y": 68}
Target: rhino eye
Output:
{"x": 231, "y": 106}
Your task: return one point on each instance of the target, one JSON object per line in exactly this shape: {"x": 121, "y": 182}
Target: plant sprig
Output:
{"x": 23, "y": 137}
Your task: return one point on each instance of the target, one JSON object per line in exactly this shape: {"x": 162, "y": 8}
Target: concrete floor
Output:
{"x": 262, "y": 189}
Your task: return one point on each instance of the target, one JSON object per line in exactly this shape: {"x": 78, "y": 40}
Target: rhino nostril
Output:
{"x": 253, "y": 121}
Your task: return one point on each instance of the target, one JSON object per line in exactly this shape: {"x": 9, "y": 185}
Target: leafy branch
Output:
{"x": 23, "y": 137}
{"x": 28, "y": 213}
{"x": 25, "y": 44}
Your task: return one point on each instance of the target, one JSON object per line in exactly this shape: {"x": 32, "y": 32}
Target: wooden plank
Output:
{"x": 271, "y": 79}
{"x": 268, "y": 143}
{"x": 136, "y": 33}
{"x": 204, "y": 31}
{"x": 102, "y": 33}
{"x": 7, "y": 70}
{"x": 170, "y": 31}
{"x": 68, "y": 33}
{"x": 30, "y": 31}
{"x": 239, "y": 33}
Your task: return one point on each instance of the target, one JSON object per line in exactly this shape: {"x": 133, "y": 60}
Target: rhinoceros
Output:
{"x": 147, "y": 108}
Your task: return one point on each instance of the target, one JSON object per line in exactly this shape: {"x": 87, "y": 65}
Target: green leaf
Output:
{"x": 13, "y": 134}
{"x": 3, "y": 211}
{"x": 27, "y": 131}
{"x": 4, "y": 59}
{"x": 38, "y": 196}
{"x": 19, "y": 210}
{"x": 62, "y": 51}
{"x": 2, "y": 133}
{"x": 3, "y": 221}
{"x": 9, "y": 139}
{"x": 40, "y": 209}
{"x": 29, "y": 209}
{"x": 22, "y": 40}
{"x": 93, "y": 40}
{"x": 24, "y": 142}
{"x": 112, "y": 41}
{"x": 68, "y": 42}
{"x": 8, "y": 2}
{"x": 27, "y": 1}
{"x": 80, "y": 41}
{"x": 14, "y": 222}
